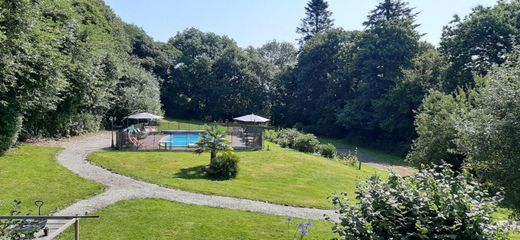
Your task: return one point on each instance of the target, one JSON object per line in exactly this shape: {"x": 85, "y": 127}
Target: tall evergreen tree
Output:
{"x": 388, "y": 46}
{"x": 317, "y": 20}
{"x": 388, "y": 10}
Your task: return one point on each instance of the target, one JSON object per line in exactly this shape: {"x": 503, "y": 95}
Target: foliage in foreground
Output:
{"x": 436, "y": 203}
{"x": 477, "y": 130}
{"x": 19, "y": 229}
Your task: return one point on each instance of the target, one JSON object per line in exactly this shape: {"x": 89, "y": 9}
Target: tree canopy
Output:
{"x": 317, "y": 19}
{"x": 390, "y": 10}
{"x": 476, "y": 42}
{"x": 66, "y": 66}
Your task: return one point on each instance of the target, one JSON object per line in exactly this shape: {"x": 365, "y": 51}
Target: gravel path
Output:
{"x": 121, "y": 188}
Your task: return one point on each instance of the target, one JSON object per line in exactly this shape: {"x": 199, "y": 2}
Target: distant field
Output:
{"x": 278, "y": 175}
{"x": 29, "y": 173}
{"x": 159, "y": 219}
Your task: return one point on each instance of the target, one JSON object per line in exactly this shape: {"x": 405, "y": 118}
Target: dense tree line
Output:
{"x": 471, "y": 121}
{"x": 213, "y": 78}
{"x": 361, "y": 83}
{"x": 67, "y": 65}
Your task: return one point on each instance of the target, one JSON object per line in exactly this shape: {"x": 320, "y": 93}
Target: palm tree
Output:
{"x": 214, "y": 141}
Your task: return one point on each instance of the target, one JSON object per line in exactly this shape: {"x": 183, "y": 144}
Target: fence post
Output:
{"x": 76, "y": 229}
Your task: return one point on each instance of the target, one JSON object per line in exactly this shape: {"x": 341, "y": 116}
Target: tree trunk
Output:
{"x": 213, "y": 156}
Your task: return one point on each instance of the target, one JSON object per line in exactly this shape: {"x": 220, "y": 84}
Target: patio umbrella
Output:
{"x": 252, "y": 118}
{"x": 145, "y": 116}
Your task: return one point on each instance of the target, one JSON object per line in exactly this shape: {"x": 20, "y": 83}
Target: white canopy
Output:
{"x": 252, "y": 118}
{"x": 144, "y": 116}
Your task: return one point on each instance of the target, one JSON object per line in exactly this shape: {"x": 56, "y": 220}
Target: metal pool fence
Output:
{"x": 140, "y": 137}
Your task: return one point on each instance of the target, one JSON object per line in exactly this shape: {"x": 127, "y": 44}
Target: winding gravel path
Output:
{"x": 121, "y": 188}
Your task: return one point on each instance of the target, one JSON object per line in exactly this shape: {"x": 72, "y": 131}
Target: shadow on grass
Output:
{"x": 196, "y": 172}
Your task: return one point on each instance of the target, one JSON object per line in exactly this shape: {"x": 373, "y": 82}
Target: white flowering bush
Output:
{"x": 436, "y": 203}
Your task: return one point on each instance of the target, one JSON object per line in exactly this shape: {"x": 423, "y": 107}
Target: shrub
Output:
{"x": 10, "y": 126}
{"x": 225, "y": 166}
{"x": 283, "y": 142}
{"x": 306, "y": 143}
{"x": 433, "y": 204}
{"x": 271, "y": 135}
{"x": 286, "y": 137}
{"x": 327, "y": 150}
{"x": 350, "y": 159}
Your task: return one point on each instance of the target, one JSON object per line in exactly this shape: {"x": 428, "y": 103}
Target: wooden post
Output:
{"x": 76, "y": 229}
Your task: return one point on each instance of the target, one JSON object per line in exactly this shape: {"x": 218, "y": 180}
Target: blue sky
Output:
{"x": 254, "y": 22}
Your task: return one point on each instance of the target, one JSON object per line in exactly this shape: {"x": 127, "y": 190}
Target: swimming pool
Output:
{"x": 184, "y": 139}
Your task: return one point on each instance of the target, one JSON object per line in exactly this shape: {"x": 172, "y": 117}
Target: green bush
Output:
{"x": 327, "y": 150}
{"x": 283, "y": 142}
{"x": 350, "y": 159}
{"x": 306, "y": 143}
{"x": 436, "y": 203}
{"x": 224, "y": 166}
{"x": 287, "y": 137}
{"x": 10, "y": 126}
{"x": 271, "y": 135}
{"x": 292, "y": 138}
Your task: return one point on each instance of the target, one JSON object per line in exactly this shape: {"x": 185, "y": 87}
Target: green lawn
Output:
{"x": 179, "y": 124}
{"x": 278, "y": 175}
{"x": 502, "y": 214}
{"x": 385, "y": 157}
{"x": 159, "y": 219}
{"x": 29, "y": 173}
{"x": 515, "y": 236}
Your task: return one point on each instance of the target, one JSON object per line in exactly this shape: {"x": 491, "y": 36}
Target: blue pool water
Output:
{"x": 181, "y": 140}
